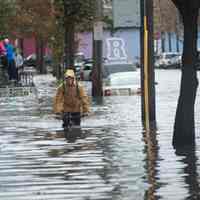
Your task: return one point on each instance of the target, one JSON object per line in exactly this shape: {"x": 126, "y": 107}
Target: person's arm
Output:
{"x": 58, "y": 101}
{"x": 85, "y": 101}
{"x": 21, "y": 61}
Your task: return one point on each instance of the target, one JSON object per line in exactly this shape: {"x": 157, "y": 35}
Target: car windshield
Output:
{"x": 169, "y": 56}
{"x": 88, "y": 67}
{"x": 115, "y": 68}
{"x": 121, "y": 79}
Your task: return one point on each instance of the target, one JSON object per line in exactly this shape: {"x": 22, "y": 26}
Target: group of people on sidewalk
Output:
{"x": 10, "y": 59}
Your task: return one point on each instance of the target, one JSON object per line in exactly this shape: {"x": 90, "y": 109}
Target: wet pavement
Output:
{"x": 113, "y": 159}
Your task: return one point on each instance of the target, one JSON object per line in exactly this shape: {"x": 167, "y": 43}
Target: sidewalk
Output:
{"x": 45, "y": 85}
{"x": 41, "y": 80}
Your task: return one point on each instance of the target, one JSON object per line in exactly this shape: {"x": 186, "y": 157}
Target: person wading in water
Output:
{"x": 71, "y": 100}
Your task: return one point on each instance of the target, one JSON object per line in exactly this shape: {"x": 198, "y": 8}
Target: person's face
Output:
{"x": 69, "y": 80}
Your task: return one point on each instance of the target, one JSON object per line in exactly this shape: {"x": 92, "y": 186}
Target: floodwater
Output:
{"x": 113, "y": 159}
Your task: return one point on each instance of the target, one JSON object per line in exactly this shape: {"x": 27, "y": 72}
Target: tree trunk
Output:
{"x": 21, "y": 46}
{"x": 69, "y": 38}
{"x": 40, "y": 56}
{"x": 37, "y": 52}
{"x": 69, "y": 45}
{"x": 57, "y": 71}
{"x": 184, "y": 127}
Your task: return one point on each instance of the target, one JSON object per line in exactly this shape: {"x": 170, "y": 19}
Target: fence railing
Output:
{"x": 17, "y": 91}
{"x": 24, "y": 86}
{"x": 26, "y": 78}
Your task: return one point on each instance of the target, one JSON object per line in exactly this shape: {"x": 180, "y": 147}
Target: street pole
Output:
{"x": 142, "y": 59}
{"x": 147, "y": 66}
{"x": 97, "y": 50}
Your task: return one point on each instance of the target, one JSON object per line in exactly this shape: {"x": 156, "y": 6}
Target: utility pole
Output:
{"x": 147, "y": 66}
{"x": 97, "y": 50}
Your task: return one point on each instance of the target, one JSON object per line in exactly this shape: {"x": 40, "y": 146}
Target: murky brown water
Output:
{"x": 112, "y": 159}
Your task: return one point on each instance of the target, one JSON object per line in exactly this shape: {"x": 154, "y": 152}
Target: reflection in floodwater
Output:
{"x": 112, "y": 159}
{"x": 151, "y": 162}
{"x": 188, "y": 163}
{"x": 190, "y": 174}
{"x": 73, "y": 134}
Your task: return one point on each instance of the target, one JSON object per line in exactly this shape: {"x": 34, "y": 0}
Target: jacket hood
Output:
{"x": 70, "y": 73}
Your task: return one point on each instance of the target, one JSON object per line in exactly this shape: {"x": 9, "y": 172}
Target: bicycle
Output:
{"x": 71, "y": 124}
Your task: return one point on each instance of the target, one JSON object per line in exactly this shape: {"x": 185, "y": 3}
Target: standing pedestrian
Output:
{"x": 19, "y": 63}
{"x": 3, "y": 58}
{"x": 12, "y": 72}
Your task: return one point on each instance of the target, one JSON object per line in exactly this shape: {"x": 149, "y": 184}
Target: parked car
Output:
{"x": 168, "y": 60}
{"x": 122, "y": 83}
{"x": 86, "y": 72}
{"x": 79, "y": 63}
{"x": 111, "y": 68}
{"x": 79, "y": 57}
{"x": 31, "y": 61}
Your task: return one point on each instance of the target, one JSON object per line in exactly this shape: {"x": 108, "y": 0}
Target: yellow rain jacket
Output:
{"x": 71, "y": 99}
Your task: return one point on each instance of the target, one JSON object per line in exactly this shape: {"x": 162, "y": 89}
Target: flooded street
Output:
{"x": 112, "y": 160}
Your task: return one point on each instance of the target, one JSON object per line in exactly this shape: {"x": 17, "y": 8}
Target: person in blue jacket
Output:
{"x": 10, "y": 54}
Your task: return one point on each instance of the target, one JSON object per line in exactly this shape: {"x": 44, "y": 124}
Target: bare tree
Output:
{"x": 184, "y": 127}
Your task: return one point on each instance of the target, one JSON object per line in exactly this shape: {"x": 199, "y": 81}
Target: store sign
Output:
{"x": 116, "y": 49}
